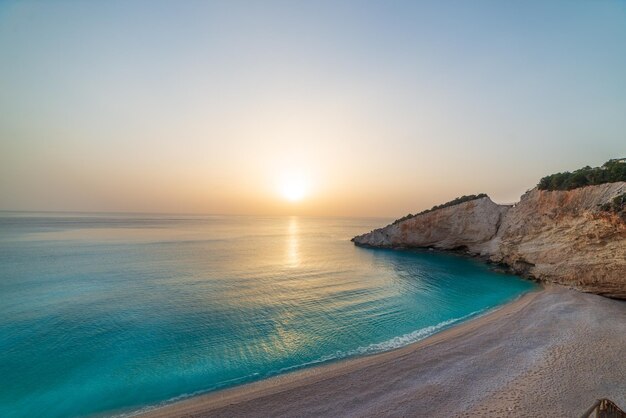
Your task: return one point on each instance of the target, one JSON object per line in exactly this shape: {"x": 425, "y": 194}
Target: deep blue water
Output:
{"x": 115, "y": 313}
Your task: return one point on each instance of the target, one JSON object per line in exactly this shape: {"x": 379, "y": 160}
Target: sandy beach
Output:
{"x": 552, "y": 351}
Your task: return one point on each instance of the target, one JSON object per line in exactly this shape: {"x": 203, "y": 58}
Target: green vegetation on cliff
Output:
{"x": 611, "y": 171}
{"x": 453, "y": 202}
{"x": 617, "y": 205}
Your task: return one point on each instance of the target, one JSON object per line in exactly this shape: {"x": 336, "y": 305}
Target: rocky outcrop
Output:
{"x": 556, "y": 236}
{"x": 465, "y": 226}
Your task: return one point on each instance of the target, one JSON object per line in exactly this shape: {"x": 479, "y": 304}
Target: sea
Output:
{"x": 114, "y": 314}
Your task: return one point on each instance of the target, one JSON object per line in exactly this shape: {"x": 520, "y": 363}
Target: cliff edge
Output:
{"x": 570, "y": 237}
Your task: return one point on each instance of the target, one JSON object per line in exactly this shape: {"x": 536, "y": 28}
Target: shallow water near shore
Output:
{"x": 114, "y": 313}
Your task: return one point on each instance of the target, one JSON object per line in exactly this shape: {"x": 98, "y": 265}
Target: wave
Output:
{"x": 388, "y": 345}
{"x": 230, "y": 382}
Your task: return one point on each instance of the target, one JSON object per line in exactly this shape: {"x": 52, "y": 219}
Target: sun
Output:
{"x": 293, "y": 188}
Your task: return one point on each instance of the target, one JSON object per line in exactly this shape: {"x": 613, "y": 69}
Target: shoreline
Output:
{"x": 499, "y": 267}
{"x": 480, "y": 350}
{"x": 308, "y": 375}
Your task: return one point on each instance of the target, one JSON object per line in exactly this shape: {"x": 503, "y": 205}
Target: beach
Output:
{"x": 553, "y": 351}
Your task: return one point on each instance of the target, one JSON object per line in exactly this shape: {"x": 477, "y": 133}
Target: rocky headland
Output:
{"x": 574, "y": 237}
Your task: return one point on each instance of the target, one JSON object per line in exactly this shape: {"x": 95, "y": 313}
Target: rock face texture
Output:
{"x": 468, "y": 225}
{"x": 555, "y": 236}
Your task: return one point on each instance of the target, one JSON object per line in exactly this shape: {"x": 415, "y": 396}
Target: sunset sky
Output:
{"x": 351, "y": 108}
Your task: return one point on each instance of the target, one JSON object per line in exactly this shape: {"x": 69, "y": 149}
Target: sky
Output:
{"x": 346, "y": 108}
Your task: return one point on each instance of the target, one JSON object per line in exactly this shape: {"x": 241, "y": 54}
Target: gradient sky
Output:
{"x": 382, "y": 107}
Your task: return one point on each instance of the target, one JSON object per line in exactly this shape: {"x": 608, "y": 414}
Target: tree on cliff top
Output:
{"x": 611, "y": 171}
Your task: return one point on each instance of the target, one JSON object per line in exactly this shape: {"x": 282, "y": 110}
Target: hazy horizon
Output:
{"x": 369, "y": 109}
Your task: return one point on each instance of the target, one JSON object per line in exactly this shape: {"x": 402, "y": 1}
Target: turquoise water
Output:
{"x": 115, "y": 313}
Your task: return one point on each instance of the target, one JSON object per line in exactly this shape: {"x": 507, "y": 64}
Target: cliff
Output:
{"x": 563, "y": 237}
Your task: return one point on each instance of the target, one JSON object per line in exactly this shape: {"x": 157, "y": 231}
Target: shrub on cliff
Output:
{"x": 617, "y": 205}
{"x": 453, "y": 202}
{"x": 611, "y": 171}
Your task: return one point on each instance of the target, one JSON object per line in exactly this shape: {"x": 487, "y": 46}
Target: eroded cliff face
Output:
{"x": 465, "y": 226}
{"x": 556, "y": 236}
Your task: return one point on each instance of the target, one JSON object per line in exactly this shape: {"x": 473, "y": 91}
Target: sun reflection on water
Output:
{"x": 293, "y": 243}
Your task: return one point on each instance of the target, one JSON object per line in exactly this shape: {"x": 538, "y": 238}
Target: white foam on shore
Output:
{"x": 411, "y": 337}
{"x": 388, "y": 345}
{"x": 391, "y": 344}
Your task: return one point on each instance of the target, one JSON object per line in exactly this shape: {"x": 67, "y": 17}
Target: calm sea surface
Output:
{"x": 111, "y": 314}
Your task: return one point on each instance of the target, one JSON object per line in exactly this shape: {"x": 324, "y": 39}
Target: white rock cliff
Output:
{"x": 556, "y": 236}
